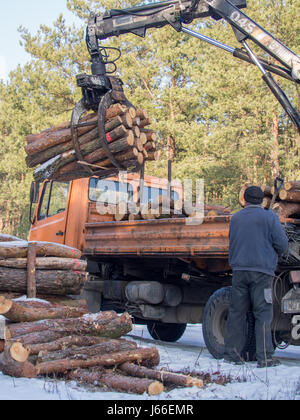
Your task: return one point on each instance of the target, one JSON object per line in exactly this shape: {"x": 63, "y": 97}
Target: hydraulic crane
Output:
{"x": 100, "y": 89}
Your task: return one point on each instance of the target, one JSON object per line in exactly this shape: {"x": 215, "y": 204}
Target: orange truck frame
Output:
{"x": 166, "y": 273}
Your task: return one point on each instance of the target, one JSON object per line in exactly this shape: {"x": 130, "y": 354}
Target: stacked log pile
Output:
{"x": 163, "y": 208}
{"x": 87, "y": 348}
{"x": 129, "y": 140}
{"x": 56, "y": 269}
{"x": 287, "y": 202}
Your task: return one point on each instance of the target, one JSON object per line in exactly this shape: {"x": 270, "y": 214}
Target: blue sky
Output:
{"x": 30, "y": 14}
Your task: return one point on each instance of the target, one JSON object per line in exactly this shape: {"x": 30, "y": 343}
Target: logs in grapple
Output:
{"x": 56, "y": 151}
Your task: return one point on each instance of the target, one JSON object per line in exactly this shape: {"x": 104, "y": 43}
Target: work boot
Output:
{"x": 268, "y": 363}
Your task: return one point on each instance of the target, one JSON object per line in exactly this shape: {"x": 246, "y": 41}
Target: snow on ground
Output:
{"x": 247, "y": 382}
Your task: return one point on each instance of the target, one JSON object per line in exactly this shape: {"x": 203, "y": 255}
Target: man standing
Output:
{"x": 256, "y": 239}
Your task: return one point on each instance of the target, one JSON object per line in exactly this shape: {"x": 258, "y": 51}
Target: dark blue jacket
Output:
{"x": 256, "y": 240}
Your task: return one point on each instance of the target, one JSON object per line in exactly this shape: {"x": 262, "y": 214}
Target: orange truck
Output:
{"x": 166, "y": 273}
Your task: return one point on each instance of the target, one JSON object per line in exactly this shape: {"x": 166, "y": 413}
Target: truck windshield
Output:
{"x": 109, "y": 192}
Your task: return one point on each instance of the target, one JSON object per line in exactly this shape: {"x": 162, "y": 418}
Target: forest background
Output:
{"x": 215, "y": 111}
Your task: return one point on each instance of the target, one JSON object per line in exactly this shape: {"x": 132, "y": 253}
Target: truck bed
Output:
{"x": 156, "y": 238}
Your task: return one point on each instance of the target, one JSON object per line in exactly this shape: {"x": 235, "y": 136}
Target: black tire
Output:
{"x": 214, "y": 326}
{"x": 166, "y": 332}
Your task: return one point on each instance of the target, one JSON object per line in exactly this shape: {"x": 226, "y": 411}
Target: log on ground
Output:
{"x": 140, "y": 355}
{"x": 14, "y": 362}
{"x": 85, "y": 352}
{"x": 160, "y": 375}
{"x": 15, "y": 312}
{"x": 116, "y": 381}
{"x": 64, "y": 343}
{"x": 105, "y": 324}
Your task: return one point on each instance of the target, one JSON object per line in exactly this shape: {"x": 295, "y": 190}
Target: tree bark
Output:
{"x": 140, "y": 355}
{"x": 47, "y": 263}
{"x": 241, "y": 194}
{"x": 86, "y": 352}
{"x": 117, "y": 382}
{"x": 56, "y": 282}
{"x": 292, "y": 195}
{"x": 8, "y": 238}
{"x": 18, "y": 249}
{"x": 291, "y": 185}
{"x": 11, "y": 367}
{"x": 54, "y": 138}
{"x": 104, "y": 324}
{"x": 17, "y": 313}
{"x": 162, "y": 376}
{"x": 64, "y": 343}
{"x": 286, "y": 210}
{"x": 117, "y": 146}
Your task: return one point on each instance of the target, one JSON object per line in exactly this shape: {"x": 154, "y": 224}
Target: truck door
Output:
{"x": 50, "y": 222}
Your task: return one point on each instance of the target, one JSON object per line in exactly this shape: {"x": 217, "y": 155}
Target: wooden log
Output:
{"x": 136, "y": 131}
{"x": 34, "y": 160}
{"x": 150, "y": 134}
{"x": 86, "y": 352}
{"x": 54, "y": 138}
{"x": 120, "y": 145}
{"x": 145, "y": 122}
{"x": 16, "y": 368}
{"x": 291, "y": 185}
{"x": 242, "y": 193}
{"x": 115, "y": 110}
{"x": 31, "y": 138}
{"x": 18, "y": 249}
{"x": 9, "y": 238}
{"x": 267, "y": 190}
{"x": 56, "y": 282}
{"x": 31, "y": 270}
{"x": 287, "y": 209}
{"x": 47, "y": 263}
{"x": 217, "y": 208}
{"x": 15, "y": 312}
{"x": 142, "y": 114}
{"x": 140, "y": 355}
{"x": 116, "y": 381}
{"x": 160, "y": 375}
{"x": 266, "y": 202}
{"x": 143, "y": 138}
{"x": 105, "y": 324}
{"x": 121, "y": 211}
{"x": 64, "y": 343}
{"x": 292, "y": 195}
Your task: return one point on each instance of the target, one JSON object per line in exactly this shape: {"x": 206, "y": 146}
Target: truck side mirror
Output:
{"x": 34, "y": 198}
{"x": 34, "y": 192}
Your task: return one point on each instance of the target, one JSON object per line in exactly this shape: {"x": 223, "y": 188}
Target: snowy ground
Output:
{"x": 247, "y": 382}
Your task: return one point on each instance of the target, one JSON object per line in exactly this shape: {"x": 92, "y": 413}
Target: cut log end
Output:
{"x": 155, "y": 388}
{"x": 5, "y": 305}
{"x": 18, "y": 352}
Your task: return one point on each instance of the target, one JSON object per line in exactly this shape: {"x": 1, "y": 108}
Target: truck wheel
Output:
{"x": 166, "y": 332}
{"x": 214, "y": 326}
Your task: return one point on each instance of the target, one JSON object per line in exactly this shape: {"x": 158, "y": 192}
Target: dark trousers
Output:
{"x": 250, "y": 291}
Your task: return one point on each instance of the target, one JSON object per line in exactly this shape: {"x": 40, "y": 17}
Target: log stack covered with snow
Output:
{"x": 62, "y": 154}
{"x": 86, "y": 347}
